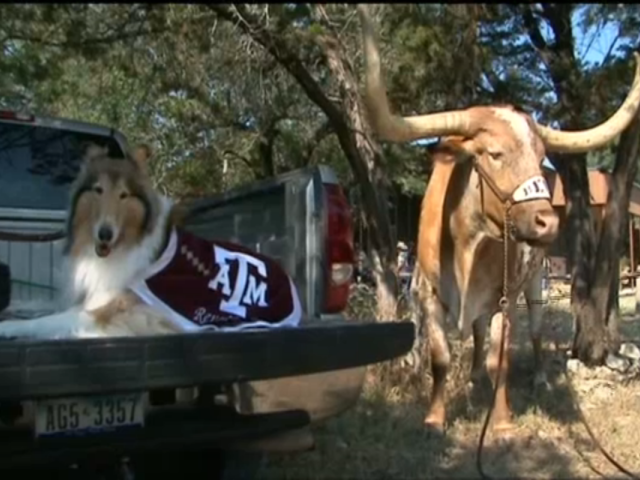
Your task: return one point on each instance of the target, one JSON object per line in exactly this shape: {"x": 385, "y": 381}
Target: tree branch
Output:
{"x": 606, "y": 58}
{"x": 559, "y": 18}
{"x": 114, "y": 34}
{"x": 318, "y": 136}
{"x": 108, "y": 39}
{"x": 266, "y": 146}
{"x": 242, "y": 158}
{"x": 199, "y": 92}
{"x": 535, "y": 35}
{"x": 277, "y": 47}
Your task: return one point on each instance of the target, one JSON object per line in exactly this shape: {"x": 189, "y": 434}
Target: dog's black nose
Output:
{"x": 105, "y": 234}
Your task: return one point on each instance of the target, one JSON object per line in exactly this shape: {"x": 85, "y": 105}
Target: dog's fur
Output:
{"x": 117, "y": 227}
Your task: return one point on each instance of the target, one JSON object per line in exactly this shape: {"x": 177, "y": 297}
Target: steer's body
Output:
{"x": 488, "y": 165}
{"x": 463, "y": 265}
{"x": 462, "y": 270}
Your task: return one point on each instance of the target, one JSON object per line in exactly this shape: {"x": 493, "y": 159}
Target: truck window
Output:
{"x": 37, "y": 164}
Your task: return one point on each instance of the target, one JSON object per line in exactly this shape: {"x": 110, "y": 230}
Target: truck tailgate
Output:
{"x": 30, "y": 370}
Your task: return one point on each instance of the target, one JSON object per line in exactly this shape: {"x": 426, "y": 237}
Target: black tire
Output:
{"x": 5, "y": 286}
{"x": 192, "y": 465}
{"x": 241, "y": 465}
{"x": 199, "y": 464}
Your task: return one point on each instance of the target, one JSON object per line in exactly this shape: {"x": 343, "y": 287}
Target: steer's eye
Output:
{"x": 98, "y": 189}
{"x": 495, "y": 155}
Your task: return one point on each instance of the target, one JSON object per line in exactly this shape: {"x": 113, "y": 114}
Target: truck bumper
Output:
{"x": 279, "y": 383}
{"x": 321, "y": 395}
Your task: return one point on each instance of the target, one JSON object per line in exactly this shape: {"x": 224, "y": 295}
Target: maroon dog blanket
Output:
{"x": 199, "y": 284}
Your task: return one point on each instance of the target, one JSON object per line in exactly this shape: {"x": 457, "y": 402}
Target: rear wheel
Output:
{"x": 198, "y": 464}
{"x": 177, "y": 464}
{"x": 241, "y": 465}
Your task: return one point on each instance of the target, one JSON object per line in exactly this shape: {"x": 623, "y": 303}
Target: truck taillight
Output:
{"x": 16, "y": 116}
{"x": 339, "y": 250}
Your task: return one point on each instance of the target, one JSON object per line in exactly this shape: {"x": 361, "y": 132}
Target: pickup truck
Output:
{"x": 201, "y": 405}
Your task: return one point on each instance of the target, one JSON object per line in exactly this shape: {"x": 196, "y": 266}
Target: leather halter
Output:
{"x": 534, "y": 188}
{"x": 531, "y": 189}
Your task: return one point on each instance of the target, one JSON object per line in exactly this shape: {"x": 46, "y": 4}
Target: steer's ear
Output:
{"x": 451, "y": 150}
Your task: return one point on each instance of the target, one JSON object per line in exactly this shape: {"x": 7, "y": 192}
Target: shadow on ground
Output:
{"x": 378, "y": 441}
{"x": 470, "y": 403}
{"x": 383, "y": 436}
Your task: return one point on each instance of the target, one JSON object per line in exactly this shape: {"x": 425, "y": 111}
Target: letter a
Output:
{"x": 222, "y": 278}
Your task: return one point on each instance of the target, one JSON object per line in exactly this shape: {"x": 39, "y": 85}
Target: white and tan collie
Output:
{"x": 133, "y": 271}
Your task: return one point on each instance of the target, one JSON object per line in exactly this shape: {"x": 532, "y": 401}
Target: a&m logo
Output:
{"x": 247, "y": 289}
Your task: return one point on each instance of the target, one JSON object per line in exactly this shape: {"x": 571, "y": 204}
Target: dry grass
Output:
{"x": 382, "y": 437}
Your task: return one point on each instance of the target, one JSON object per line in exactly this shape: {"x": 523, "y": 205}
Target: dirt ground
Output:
{"x": 383, "y": 437}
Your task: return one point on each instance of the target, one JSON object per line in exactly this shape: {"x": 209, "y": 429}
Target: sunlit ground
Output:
{"x": 383, "y": 436}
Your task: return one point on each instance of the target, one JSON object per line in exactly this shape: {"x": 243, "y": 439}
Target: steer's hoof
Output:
{"x": 434, "y": 428}
{"x": 503, "y": 433}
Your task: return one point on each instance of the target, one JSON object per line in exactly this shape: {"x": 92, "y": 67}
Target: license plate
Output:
{"x": 88, "y": 415}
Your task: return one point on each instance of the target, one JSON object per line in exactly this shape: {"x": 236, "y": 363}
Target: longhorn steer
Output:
{"x": 488, "y": 163}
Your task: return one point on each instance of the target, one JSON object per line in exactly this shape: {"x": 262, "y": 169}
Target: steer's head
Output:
{"x": 506, "y": 154}
{"x": 506, "y": 148}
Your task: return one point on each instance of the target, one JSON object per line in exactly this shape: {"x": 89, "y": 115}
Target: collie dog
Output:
{"x": 133, "y": 271}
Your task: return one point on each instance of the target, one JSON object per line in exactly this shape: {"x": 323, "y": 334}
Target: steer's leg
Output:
{"x": 416, "y": 356}
{"x": 479, "y": 334}
{"x": 498, "y": 371}
{"x": 533, "y": 296}
{"x": 440, "y": 360}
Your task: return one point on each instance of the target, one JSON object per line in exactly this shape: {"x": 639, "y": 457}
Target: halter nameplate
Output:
{"x": 532, "y": 189}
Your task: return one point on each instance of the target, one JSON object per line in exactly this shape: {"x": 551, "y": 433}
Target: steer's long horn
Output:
{"x": 596, "y": 137}
{"x": 395, "y": 128}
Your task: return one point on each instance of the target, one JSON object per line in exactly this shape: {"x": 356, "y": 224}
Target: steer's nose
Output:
{"x": 546, "y": 226}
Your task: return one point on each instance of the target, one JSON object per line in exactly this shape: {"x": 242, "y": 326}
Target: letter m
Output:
{"x": 255, "y": 293}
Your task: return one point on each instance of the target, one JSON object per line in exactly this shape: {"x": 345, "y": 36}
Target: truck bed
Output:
{"x": 281, "y": 217}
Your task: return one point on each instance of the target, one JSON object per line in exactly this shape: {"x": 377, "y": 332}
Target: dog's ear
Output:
{"x": 141, "y": 154}
{"x": 178, "y": 215}
{"x": 93, "y": 151}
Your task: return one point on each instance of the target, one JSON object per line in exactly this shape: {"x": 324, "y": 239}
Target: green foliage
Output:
{"x": 220, "y": 111}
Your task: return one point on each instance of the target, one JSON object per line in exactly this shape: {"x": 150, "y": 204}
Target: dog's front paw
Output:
{"x": 13, "y": 329}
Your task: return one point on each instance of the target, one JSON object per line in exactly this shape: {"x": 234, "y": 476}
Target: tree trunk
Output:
{"x": 595, "y": 259}
{"x": 266, "y": 143}
{"x": 595, "y": 295}
{"x": 347, "y": 119}
{"x": 613, "y": 320}
{"x": 385, "y": 276}
{"x": 581, "y": 246}
{"x": 365, "y": 156}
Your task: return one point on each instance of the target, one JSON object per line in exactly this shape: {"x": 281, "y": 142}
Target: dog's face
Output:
{"x": 113, "y": 203}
